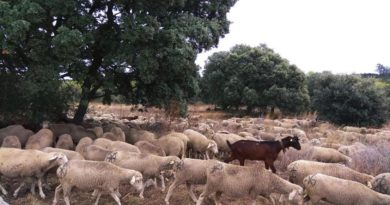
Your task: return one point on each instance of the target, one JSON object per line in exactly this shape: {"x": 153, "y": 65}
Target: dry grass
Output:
{"x": 373, "y": 160}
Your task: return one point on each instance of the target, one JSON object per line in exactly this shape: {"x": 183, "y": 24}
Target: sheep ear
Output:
{"x": 292, "y": 195}
{"x": 210, "y": 145}
{"x": 53, "y": 157}
{"x": 132, "y": 181}
{"x": 171, "y": 162}
{"x": 369, "y": 185}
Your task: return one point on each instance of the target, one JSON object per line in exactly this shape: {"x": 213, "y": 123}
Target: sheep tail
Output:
{"x": 230, "y": 145}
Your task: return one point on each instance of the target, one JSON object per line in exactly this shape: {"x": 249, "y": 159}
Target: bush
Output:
{"x": 346, "y": 99}
{"x": 32, "y": 97}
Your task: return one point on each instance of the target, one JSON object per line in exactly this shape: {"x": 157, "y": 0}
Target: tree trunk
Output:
{"x": 87, "y": 93}
{"x": 83, "y": 106}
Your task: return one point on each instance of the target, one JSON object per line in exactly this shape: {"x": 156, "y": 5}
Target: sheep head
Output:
{"x": 297, "y": 196}
{"x": 137, "y": 181}
{"x": 213, "y": 146}
{"x": 169, "y": 163}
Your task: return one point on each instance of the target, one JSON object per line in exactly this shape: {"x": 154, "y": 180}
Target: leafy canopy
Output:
{"x": 144, "y": 50}
{"x": 254, "y": 77}
{"x": 347, "y": 99}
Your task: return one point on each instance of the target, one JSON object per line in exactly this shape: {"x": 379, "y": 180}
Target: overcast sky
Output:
{"x": 341, "y": 36}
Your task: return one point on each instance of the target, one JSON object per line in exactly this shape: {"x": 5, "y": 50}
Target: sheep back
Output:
{"x": 65, "y": 142}
{"x": 299, "y": 169}
{"x": 16, "y": 130}
{"x": 11, "y": 141}
{"x": 43, "y": 138}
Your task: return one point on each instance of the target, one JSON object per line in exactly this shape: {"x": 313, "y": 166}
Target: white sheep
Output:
{"x": 200, "y": 143}
{"x": 17, "y": 163}
{"x": 95, "y": 153}
{"x": 340, "y": 191}
{"x": 299, "y": 169}
{"x": 381, "y": 183}
{"x": 221, "y": 137}
{"x": 16, "y": 130}
{"x": 134, "y": 135}
{"x": 180, "y": 136}
{"x": 71, "y": 155}
{"x": 172, "y": 146}
{"x": 43, "y": 138}
{"x": 189, "y": 172}
{"x": 115, "y": 145}
{"x": 350, "y": 150}
{"x": 65, "y": 142}
{"x": 11, "y": 141}
{"x": 149, "y": 148}
{"x": 239, "y": 181}
{"x": 115, "y": 134}
{"x": 76, "y": 131}
{"x": 330, "y": 155}
{"x": 151, "y": 166}
{"x": 84, "y": 142}
{"x": 103, "y": 177}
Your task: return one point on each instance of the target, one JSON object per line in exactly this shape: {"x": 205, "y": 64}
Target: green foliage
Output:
{"x": 254, "y": 77}
{"x": 32, "y": 98}
{"x": 142, "y": 50}
{"x": 347, "y": 99}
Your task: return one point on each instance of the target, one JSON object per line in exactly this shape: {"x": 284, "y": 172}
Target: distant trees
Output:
{"x": 254, "y": 77}
{"x": 347, "y": 99}
{"x": 383, "y": 70}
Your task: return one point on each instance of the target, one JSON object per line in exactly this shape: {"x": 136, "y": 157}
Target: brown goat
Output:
{"x": 266, "y": 150}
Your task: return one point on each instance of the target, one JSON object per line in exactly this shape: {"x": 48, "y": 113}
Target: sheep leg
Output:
{"x": 170, "y": 190}
{"x": 115, "y": 197}
{"x": 206, "y": 192}
{"x": 191, "y": 192}
{"x": 162, "y": 183}
{"x": 18, "y": 189}
{"x": 57, "y": 191}
{"x": 99, "y": 194}
{"x": 207, "y": 156}
{"x": 32, "y": 187}
{"x": 141, "y": 194}
{"x": 118, "y": 193}
{"x": 3, "y": 190}
{"x": 217, "y": 198}
{"x": 67, "y": 201}
{"x": 66, "y": 191}
{"x": 43, "y": 196}
{"x": 94, "y": 193}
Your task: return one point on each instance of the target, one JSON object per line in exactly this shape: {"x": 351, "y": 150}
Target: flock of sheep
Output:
{"x": 107, "y": 154}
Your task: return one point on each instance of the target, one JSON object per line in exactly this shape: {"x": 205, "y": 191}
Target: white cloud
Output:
{"x": 342, "y": 36}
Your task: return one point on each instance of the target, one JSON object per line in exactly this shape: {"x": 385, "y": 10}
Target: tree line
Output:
{"x": 144, "y": 52}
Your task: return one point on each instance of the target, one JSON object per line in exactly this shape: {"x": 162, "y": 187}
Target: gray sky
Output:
{"x": 341, "y": 36}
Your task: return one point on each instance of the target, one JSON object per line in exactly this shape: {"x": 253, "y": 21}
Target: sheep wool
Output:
{"x": 340, "y": 191}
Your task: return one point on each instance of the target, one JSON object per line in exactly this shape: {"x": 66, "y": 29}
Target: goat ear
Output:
{"x": 132, "y": 181}
{"x": 292, "y": 195}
